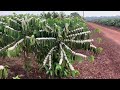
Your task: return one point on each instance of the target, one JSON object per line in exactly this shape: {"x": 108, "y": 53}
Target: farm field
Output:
{"x": 106, "y": 64}
{"x": 58, "y": 46}
{"x": 45, "y": 42}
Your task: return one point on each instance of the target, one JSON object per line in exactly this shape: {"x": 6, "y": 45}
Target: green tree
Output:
{"x": 75, "y": 14}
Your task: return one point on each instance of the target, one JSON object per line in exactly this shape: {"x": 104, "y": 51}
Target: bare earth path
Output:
{"x": 109, "y": 33}
{"x": 106, "y": 64}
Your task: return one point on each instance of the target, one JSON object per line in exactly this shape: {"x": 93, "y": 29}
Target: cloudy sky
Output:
{"x": 87, "y": 13}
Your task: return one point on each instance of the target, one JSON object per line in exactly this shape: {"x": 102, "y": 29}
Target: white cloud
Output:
{"x": 102, "y": 13}
{"x": 87, "y": 13}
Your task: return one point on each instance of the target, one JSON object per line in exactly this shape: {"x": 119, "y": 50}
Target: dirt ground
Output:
{"x": 16, "y": 67}
{"x": 105, "y": 66}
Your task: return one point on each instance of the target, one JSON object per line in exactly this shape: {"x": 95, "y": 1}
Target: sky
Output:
{"x": 86, "y": 13}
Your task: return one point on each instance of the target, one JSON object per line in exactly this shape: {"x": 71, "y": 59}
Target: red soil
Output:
{"x": 106, "y": 64}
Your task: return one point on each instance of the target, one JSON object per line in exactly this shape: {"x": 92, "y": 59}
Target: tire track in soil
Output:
{"x": 106, "y": 64}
